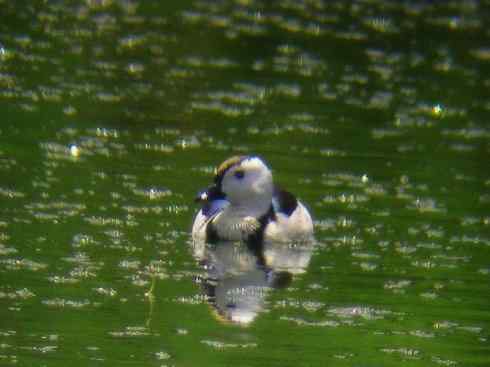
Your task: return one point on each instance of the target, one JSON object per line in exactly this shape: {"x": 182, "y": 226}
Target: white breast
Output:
{"x": 234, "y": 226}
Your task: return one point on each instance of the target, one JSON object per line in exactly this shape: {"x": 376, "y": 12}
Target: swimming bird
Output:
{"x": 244, "y": 204}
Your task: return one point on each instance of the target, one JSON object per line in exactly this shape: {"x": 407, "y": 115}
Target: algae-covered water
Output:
{"x": 114, "y": 114}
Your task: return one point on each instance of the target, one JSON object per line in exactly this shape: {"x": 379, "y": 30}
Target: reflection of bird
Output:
{"x": 243, "y": 204}
{"x": 235, "y": 282}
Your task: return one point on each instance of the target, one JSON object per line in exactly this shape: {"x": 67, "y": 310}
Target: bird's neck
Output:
{"x": 251, "y": 208}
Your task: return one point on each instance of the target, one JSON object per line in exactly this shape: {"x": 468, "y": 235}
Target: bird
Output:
{"x": 244, "y": 204}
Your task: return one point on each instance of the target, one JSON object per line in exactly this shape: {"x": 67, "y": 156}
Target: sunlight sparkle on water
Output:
{"x": 437, "y": 110}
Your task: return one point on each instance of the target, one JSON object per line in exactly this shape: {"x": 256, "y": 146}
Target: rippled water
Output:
{"x": 115, "y": 113}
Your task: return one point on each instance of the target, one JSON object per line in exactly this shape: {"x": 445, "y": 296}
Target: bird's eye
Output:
{"x": 239, "y": 174}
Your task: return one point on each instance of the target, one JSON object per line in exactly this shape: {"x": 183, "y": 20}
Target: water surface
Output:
{"x": 115, "y": 113}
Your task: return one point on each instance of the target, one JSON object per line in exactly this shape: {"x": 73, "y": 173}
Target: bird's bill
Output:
{"x": 210, "y": 194}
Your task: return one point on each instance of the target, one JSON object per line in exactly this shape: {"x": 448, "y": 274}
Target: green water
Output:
{"x": 115, "y": 113}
